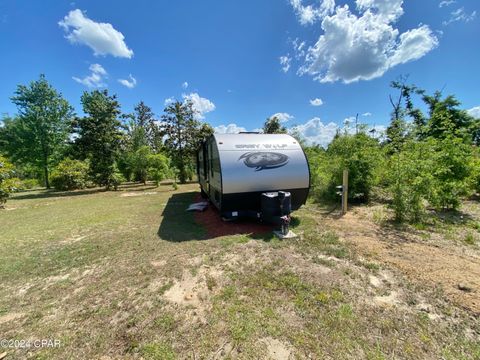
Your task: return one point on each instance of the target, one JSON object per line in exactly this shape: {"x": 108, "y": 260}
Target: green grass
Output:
{"x": 96, "y": 270}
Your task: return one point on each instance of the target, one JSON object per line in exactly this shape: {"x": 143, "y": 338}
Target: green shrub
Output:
{"x": 70, "y": 175}
{"x": 434, "y": 172}
{"x": 158, "y": 168}
{"x": 28, "y": 184}
{"x": 116, "y": 179}
{"x": 8, "y": 182}
{"x": 360, "y": 154}
{"x": 410, "y": 181}
{"x": 452, "y": 166}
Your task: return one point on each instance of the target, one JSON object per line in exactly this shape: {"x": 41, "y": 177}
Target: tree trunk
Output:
{"x": 45, "y": 170}
{"x": 47, "y": 183}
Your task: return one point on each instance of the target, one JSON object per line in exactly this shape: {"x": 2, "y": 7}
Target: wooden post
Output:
{"x": 345, "y": 192}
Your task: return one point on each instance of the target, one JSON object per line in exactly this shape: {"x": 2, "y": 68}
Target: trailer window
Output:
{"x": 204, "y": 158}
{"x": 216, "y": 165}
{"x": 212, "y": 160}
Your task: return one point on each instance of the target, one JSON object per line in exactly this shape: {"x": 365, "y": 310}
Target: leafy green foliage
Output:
{"x": 147, "y": 130}
{"x": 184, "y": 133}
{"x": 272, "y": 126}
{"x": 99, "y": 135}
{"x": 410, "y": 181}
{"x": 432, "y": 171}
{"x": 8, "y": 182}
{"x": 38, "y": 135}
{"x": 140, "y": 163}
{"x": 452, "y": 165}
{"x": 116, "y": 178}
{"x": 70, "y": 175}
{"x": 27, "y": 184}
{"x": 360, "y": 154}
{"x": 158, "y": 168}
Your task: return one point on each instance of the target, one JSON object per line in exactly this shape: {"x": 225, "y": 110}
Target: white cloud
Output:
{"x": 96, "y": 77}
{"x": 413, "y": 45}
{"x": 316, "y": 102}
{"x": 128, "y": 83}
{"x": 229, "y": 129}
{"x": 185, "y": 85}
{"x": 446, "y": 3}
{"x": 309, "y": 14}
{"x": 285, "y": 62}
{"x": 200, "y": 105}
{"x": 299, "y": 48}
{"x": 169, "y": 100}
{"x": 314, "y": 131}
{"x": 367, "y": 114}
{"x": 102, "y": 38}
{"x": 475, "y": 112}
{"x": 390, "y": 10}
{"x": 283, "y": 117}
{"x": 363, "y": 47}
{"x": 460, "y": 15}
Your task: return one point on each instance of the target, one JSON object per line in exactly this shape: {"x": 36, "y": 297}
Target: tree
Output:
{"x": 99, "y": 135}
{"x": 143, "y": 138}
{"x": 272, "y": 126}
{"x": 140, "y": 163}
{"x": 145, "y": 119}
{"x": 398, "y": 131}
{"x": 158, "y": 168}
{"x": 445, "y": 117}
{"x": 38, "y": 135}
{"x": 361, "y": 155}
{"x": 143, "y": 129}
{"x": 183, "y": 133}
{"x": 410, "y": 181}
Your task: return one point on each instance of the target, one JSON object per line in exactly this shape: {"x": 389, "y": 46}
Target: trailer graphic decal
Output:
{"x": 264, "y": 160}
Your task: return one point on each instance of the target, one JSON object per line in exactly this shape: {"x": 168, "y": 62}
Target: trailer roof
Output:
{"x": 254, "y": 142}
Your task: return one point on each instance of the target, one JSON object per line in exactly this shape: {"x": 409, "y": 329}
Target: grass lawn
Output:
{"x": 131, "y": 275}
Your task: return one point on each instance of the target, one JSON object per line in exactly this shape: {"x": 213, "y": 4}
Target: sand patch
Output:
{"x": 374, "y": 281}
{"x": 10, "y": 317}
{"x": 158, "y": 263}
{"x": 140, "y": 193}
{"x": 74, "y": 239}
{"x": 193, "y": 292}
{"x": 277, "y": 350}
{"x": 388, "y": 300}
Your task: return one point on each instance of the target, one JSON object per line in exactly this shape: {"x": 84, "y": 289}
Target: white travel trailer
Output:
{"x": 234, "y": 170}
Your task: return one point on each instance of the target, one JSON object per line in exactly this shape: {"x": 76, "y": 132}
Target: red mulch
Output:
{"x": 212, "y": 222}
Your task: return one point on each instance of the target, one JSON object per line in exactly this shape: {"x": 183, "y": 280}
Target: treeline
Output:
{"x": 46, "y": 143}
{"x": 423, "y": 161}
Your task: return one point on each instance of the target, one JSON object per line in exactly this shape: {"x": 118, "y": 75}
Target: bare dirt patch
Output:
{"x": 194, "y": 290}
{"x": 138, "y": 193}
{"x": 422, "y": 262}
{"x": 276, "y": 349}
{"x": 10, "y": 317}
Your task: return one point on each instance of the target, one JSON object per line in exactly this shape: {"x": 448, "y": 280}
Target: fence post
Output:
{"x": 345, "y": 192}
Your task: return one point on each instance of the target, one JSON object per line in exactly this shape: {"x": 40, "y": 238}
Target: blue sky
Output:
{"x": 315, "y": 62}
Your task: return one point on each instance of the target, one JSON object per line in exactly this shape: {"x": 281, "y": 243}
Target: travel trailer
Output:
{"x": 234, "y": 170}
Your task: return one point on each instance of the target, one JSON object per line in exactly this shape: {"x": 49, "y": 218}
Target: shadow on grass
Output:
{"x": 177, "y": 223}
{"x": 45, "y": 194}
